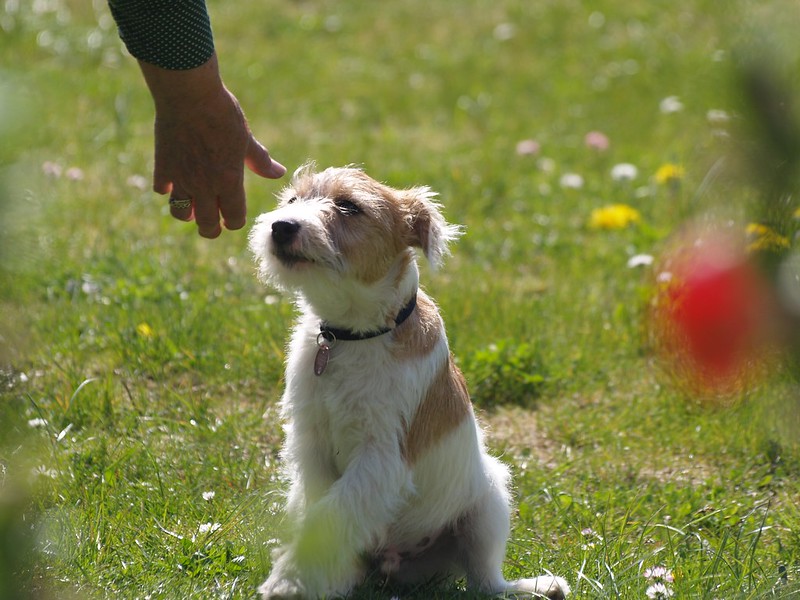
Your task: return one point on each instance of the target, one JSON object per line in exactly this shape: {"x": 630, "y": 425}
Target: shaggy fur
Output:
{"x": 387, "y": 465}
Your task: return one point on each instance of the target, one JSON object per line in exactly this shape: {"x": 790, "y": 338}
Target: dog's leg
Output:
{"x": 325, "y": 559}
{"x": 483, "y": 546}
{"x": 312, "y": 473}
{"x": 484, "y": 532}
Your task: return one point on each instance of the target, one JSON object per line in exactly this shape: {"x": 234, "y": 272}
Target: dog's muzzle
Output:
{"x": 284, "y": 236}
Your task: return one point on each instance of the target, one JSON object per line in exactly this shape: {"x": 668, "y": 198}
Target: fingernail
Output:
{"x": 277, "y": 170}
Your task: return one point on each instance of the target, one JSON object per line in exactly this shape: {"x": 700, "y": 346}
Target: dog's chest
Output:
{"x": 362, "y": 396}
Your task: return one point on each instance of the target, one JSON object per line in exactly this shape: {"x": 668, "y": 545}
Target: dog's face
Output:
{"x": 343, "y": 223}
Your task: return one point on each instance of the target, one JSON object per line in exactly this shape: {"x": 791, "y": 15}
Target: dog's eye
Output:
{"x": 291, "y": 200}
{"x": 346, "y": 207}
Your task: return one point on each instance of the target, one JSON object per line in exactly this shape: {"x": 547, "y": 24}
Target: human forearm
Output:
{"x": 172, "y": 90}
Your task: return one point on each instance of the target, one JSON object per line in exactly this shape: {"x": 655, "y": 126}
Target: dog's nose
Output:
{"x": 284, "y": 231}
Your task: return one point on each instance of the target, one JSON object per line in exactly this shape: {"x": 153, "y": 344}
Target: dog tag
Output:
{"x": 321, "y": 359}
{"x": 323, "y": 354}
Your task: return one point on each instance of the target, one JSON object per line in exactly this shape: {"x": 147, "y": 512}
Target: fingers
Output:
{"x": 162, "y": 184}
{"x": 180, "y": 200}
{"x": 180, "y": 203}
{"x": 231, "y": 203}
{"x": 260, "y": 162}
{"x": 206, "y": 209}
{"x": 233, "y": 206}
{"x": 206, "y": 215}
{"x": 209, "y": 199}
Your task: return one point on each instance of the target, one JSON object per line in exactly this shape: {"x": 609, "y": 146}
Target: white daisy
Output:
{"x": 208, "y": 527}
{"x": 670, "y": 104}
{"x": 571, "y": 181}
{"x": 657, "y": 591}
{"x": 640, "y": 260}
{"x": 624, "y": 172}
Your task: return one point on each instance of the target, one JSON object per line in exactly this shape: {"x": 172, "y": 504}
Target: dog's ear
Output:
{"x": 427, "y": 227}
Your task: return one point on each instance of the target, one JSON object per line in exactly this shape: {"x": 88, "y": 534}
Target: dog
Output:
{"x": 387, "y": 467}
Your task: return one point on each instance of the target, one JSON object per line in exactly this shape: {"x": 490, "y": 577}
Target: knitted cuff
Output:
{"x": 171, "y": 34}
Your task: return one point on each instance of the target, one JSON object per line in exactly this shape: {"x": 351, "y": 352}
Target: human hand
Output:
{"x": 202, "y": 142}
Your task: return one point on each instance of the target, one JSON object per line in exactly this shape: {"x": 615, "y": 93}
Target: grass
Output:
{"x": 141, "y": 365}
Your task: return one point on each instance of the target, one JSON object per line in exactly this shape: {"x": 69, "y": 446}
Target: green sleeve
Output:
{"x": 171, "y": 34}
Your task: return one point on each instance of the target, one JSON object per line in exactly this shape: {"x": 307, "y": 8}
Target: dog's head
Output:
{"x": 342, "y": 223}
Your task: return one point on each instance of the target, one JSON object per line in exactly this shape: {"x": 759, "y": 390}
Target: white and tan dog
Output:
{"x": 387, "y": 464}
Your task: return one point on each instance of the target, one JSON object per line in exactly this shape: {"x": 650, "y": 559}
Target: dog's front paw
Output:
{"x": 544, "y": 586}
{"x": 281, "y": 588}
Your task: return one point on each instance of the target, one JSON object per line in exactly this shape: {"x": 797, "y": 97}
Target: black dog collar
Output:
{"x": 346, "y": 335}
{"x": 330, "y": 335}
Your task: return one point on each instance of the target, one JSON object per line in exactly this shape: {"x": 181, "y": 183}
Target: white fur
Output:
{"x": 353, "y": 492}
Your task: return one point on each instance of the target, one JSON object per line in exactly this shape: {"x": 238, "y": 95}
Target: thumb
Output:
{"x": 260, "y": 162}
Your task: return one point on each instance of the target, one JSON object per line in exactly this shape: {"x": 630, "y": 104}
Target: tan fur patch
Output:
{"x": 370, "y": 245}
{"x": 370, "y": 240}
{"x": 418, "y": 335}
{"x": 443, "y": 409}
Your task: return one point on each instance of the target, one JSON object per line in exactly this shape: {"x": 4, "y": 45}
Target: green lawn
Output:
{"x": 140, "y": 365}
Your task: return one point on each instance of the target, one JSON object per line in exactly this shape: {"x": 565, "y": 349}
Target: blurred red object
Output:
{"x": 713, "y": 316}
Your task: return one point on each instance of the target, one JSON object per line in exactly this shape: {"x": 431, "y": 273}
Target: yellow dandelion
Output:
{"x": 668, "y": 173}
{"x": 796, "y": 213}
{"x": 765, "y": 239}
{"x": 614, "y": 216}
{"x": 144, "y": 330}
